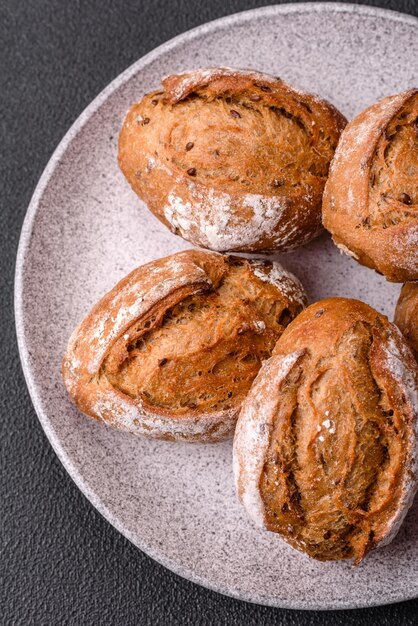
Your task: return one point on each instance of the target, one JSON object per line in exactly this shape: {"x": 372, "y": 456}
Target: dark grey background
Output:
{"x": 60, "y": 562}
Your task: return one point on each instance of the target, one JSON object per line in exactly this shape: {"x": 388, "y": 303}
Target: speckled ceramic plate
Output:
{"x": 85, "y": 229}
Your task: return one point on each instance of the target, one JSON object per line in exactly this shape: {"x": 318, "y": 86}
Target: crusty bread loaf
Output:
{"x": 325, "y": 449}
{"x": 406, "y": 315}
{"x": 231, "y": 160}
{"x": 172, "y": 350}
{"x": 371, "y": 197}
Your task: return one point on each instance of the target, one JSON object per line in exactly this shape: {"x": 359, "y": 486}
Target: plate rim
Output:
{"x": 25, "y": 237}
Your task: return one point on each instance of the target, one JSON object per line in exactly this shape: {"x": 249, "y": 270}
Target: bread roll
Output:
{"x": 371, "y": 196}
{"x": 172, "y": 350}
{"x": 406, "y": 315}
{"x": 325, "y": 449}
{"x": 231, "y": 160}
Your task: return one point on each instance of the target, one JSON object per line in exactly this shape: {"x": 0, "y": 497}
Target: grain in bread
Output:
{"x": 325, "y": 449}
{"x": 231, "y": 160}
{"x": 371, "y": 197}
{"x": 173, "y": 348}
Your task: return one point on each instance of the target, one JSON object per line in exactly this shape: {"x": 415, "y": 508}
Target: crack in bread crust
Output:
{"x": 204, "y": 352}
{"x": 172, "y": 350}
{"x": 339, "y": 469}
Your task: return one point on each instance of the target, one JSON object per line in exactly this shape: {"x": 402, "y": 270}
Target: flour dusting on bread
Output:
{"x": 213, "y": 220}
{"x": 398, "y": 361}
{"x": 287, "y": 282}
{"x": 252, "y": 434}
{"x": 135, "y": 418}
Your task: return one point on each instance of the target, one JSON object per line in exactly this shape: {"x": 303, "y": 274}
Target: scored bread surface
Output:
{"x": 325, "y": 449}
{"x": 370, "y": 202}
{"x": 172, "y": 350}
{"x": 231, "y": 160}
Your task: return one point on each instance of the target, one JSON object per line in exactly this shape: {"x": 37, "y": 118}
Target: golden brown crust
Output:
{"x": 325, "y": 450}
{"x": 231, "y": 160}
{"x": 172, "y": 349}
{"x": 406, "y": 315}
{"x": 370, "y": 202}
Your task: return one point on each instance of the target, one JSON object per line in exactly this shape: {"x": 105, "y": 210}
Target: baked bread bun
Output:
{"x": 231, "y": 160}
{"x": 371, "y": 197}
{"x": 172, "y": 350}
{"x": 406, "y": 315}
{"x": 326, "y": 443}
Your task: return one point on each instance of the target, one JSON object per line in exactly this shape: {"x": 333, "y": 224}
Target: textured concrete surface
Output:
{"x": 61, "y": 563}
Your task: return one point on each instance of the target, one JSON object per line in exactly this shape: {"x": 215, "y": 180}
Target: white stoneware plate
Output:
{"x": 85, "y": 229}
